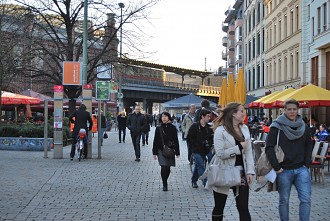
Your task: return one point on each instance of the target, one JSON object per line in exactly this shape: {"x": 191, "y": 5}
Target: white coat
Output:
{"x": 226, "y": 151}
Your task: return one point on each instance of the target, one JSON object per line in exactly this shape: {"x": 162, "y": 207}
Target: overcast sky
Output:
{"x": 188, "y": 31}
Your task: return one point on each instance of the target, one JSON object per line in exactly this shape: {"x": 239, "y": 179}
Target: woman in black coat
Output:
{"x": 169, "y": 134}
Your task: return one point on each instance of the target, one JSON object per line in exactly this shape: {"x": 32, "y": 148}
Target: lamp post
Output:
{"x": 84, "y": 77}
{"x": 121, "y": 5}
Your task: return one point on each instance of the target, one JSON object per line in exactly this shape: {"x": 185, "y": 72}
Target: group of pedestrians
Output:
{"x": 228, "y": 141}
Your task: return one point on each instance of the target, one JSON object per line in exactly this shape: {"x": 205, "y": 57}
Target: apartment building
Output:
{"x": 316, "y": 49}
{"x": 254, "y": 47}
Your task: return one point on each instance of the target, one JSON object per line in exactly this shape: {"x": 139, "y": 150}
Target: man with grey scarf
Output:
{"x": 296, "y": 143}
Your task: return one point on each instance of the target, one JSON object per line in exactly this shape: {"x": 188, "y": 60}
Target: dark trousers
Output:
{"x": 165, "y": 173}
{"x": 145, "y": 137}
{"x": 136, "y": 143}
{"x": 242, "y": 201}
{"x": 124, "y": 134}
{"x": 73, "y": 147}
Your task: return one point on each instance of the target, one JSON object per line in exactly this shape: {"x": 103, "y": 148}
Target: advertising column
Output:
{"x": 58, "y": 121}
{"x": 87, "y": 96}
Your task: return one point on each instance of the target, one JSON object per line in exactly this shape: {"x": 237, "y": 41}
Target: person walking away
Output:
{"x": 188, "y": 120}
{"x": 155, "y": 119}
{"x": 103, "y": 126}
{"x": 145, "y": 129}
{"x": 121, "y": 119}
{"x": 232, "y": 145}
{"x": 296, "y": 143}
{"x": 200, "y": 140}
{"x": 135, "y": 123}
{"x": 205, "y": 104}
{"x": 169, "y": 135}
{"x": 81, "y": 118}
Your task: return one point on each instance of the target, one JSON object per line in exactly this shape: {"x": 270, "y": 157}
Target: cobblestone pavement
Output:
{"x": 118, "y": 188}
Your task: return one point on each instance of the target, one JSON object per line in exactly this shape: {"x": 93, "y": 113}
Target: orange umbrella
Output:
{"x": 257, "y": 103}
{"x": 267, "y": 103}
{"x": 240, "y": 90}
{"x": 308, "y": 96}
{"x": 223, "y": 93}
{"x": 11, "y": 98}
{"x": 230, "y": 89}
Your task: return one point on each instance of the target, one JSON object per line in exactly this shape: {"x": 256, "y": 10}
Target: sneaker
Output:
{"x": 120, "y": 142}
{"x": 147, "y": 142}
{"x": 137, "y": 159}
{"x": 123, "y": 141}
{"x": 71, "y": 158}
{"x": 143, "y": 144}
{"x": 194, "y": 185}
{"x": 165, "y": 188}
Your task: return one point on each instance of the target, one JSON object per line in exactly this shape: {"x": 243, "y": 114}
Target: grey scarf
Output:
{"x": 292, "y": 129}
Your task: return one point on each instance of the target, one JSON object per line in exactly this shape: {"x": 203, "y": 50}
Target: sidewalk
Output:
{"x": 118, "y": 188}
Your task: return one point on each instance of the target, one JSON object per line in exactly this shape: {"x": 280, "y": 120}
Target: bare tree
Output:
{"x": 56, "y": 36}
{"x": 13, "y": 42}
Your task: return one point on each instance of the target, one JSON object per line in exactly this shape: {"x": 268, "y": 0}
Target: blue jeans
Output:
{"x": 102, "y": 134}
{"x": 300, "y": 178}
{"x": 199, "y": 167}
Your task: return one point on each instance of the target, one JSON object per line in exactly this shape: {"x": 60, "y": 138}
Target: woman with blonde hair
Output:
{"x": 232, "y": 146}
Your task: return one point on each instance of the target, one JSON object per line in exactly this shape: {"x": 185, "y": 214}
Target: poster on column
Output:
{"x": 103, "y": 90}
{"x": 72, "y": 73}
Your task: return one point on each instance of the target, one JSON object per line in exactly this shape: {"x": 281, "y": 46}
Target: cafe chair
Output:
{"x": 317, "y": 164}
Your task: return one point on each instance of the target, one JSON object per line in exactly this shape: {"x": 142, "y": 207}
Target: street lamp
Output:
{"x": 121, "y": 5}
{"x": 84, "y": 77}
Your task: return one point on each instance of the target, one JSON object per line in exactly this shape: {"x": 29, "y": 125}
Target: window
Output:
{"x": 263, "y": 74}
{"x": 275, "y": 73}
{"x": 274, "y": 33}
{"x": 285, "y": 67}
{"x": 254, "y": 78}
{"x": 291, "y": 66}
{"x": 285, "y": 26}
{"x": 313, "y": 31}
{"x": 253, "y": 18}
{"x": 318, "y": 20}
{"x": 279, "y": 69}
{"x": 258, "y": 76}
{"x": 270, "y": 37}
{"x": 254, "y": 48}
{"x": 291, "y": 22}
{"x": 250, "y": 23}
{"x": 324, "y": 16}
{"x": 258, "y": 13}
{"x": 297, "y": 17}
{"x": 279, "y": 30}
{"x": 258, "y": 44}
{"x": 263, "y": 40}
{"x": 297, "y": 64}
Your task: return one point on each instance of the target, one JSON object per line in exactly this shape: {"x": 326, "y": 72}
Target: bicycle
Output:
{"x": 80, "y": 143}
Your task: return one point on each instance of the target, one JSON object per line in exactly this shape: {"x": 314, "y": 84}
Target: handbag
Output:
{"x": 263, "y": 165}
{"x": 223, "y": 175}
{"x": 105, "y": 135}
{"x": 167, "y": 151}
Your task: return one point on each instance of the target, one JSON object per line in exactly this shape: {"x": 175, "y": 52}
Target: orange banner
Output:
{"x": 71, "y": 73}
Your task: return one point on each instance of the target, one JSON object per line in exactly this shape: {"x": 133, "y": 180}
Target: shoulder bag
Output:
{"x": 263, "y": 165}
{"x": 223, "y": 175}
{"x": 167, "y": 151}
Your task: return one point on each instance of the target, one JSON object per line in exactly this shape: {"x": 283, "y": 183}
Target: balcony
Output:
{"x": 231, "y": 15}
{"x": 231, "y": 44}
{"x": 232, "y": 29}
{"x": 224, "y": 27}
{"x": 231, "y": 62}
{"x": 224, "y": 41}
{"x": 224, "y": 55}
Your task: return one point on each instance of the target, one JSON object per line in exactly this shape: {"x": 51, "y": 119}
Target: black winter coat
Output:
{"x": 170, "y": 135}
{"x": 197, "y": 138}
{"x": 136, "y": 123}
{"x": 122, "y": 119}
{"x": 80, "y": 121}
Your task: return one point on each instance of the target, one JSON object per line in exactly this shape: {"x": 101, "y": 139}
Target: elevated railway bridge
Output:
{"x": 149, "y": 83}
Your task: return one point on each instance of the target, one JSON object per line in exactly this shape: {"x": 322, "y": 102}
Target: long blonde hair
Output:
{"x": 226, "y": 119}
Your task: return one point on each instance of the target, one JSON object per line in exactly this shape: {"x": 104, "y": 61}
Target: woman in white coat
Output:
{"x": 232, "y": 146}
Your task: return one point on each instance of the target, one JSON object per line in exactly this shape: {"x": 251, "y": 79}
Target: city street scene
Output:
{"x": 116, "y": 187}
{"x": 164, "y": 110}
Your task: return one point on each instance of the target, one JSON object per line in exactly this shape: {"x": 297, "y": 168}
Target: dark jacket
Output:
{"x": 148, "y": 121}
{"x": 197, "y": 137}
{"x": 103, "y": 121}
{"x": 296, "y": 152}
{"x": 136, "y": 123}
{"x": 121, "y": 119}
{"x": 170, "y": 135}
{"x": 80, "y": 121}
